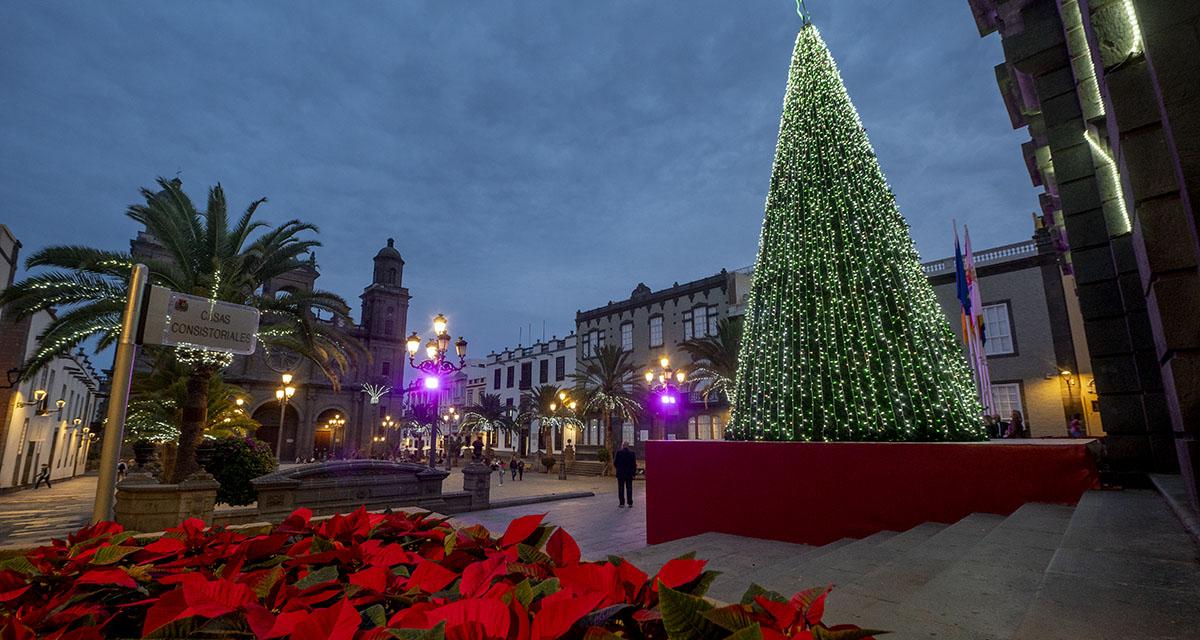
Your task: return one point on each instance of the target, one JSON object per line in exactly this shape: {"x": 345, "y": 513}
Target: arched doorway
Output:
{"x": 268, "y": 416}
{"x": 329, "y": 434}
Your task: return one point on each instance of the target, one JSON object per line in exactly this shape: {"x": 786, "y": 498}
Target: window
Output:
{"x": 496, "y": 379}
{"x": 592, "y": 341}
{"x": 997, "y": 330}
{"x": 526, "y": 375}
{"x": 656, "y": 339}
{"x": 543, "y": 371}
{"x": 560, "y": 368}
{"x": 1006, "y": 398}
{"x": 508, "y": 378}
{"x": 706, "y": 428}
{"x": 700, "y": 322}
{"x": 627, "y": 336}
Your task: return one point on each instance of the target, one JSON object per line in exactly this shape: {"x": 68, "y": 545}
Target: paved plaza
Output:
{"x": 34, "y": 516}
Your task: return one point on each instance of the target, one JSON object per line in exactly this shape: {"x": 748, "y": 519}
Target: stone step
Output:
{"x": 986, "y": 592}
{"x": 1126, "y": 568}
{"x": 585, "y": 468}
{"x": 870, "y": 599}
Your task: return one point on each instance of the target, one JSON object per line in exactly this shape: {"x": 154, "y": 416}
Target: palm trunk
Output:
{"x": 191, "y": 427}
{"x": 608, "y": 444}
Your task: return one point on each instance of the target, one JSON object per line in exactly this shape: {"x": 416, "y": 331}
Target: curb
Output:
{"x": 549, "y": 497}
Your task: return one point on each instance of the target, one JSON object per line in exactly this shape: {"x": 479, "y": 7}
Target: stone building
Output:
{"x": 319, "y": 421}
{"x": 1037, "y": 358}
{"x": 1108, "y": 92}
{"x": 650, "y": 325}
{"x": 515, "y": 372}
{"x": 50, "y": 418}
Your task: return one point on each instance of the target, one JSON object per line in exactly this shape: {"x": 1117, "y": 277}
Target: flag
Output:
{"x": 973, "y": 325}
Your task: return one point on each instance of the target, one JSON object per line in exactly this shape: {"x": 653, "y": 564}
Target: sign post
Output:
{"x": 156, "y": 315}
{"x": 118, "y": 399}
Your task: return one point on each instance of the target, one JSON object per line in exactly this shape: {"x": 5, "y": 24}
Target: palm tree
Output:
{"x": 203, "y": 254}
{"x": 156, "y": 402}
{"x": 544, "y": 404}
{"x": 611, "y": 387}
{"x": 489, "y": 415}
{"x": 714, "y": 359}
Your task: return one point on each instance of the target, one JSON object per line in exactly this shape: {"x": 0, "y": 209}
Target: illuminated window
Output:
{"x": 1005, "y": 399}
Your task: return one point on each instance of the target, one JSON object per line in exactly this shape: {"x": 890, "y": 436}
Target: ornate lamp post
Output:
{"x": 283, "y": 394}
{"x": 666, "y": 385}
{"x": 386, "y": 424}
{"x": 436, "y": 366}
{"x": 565, "y": 403}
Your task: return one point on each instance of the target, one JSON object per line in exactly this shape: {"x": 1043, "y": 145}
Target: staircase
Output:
{"x": 585, "y": 467}
{"x": 1118, "y": 565}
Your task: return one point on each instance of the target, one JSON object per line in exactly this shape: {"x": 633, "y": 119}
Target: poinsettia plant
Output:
{"x": 367, "y": 576}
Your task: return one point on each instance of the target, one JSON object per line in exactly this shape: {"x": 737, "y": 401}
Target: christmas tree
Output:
{"x": 843, "y": 337}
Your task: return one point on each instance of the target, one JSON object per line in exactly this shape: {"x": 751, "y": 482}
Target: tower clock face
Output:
{"x": 281, "y": 360}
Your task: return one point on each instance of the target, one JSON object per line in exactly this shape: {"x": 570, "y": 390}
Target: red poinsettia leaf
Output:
{"x": 430, "y": 577}
{"x": 477, "y": 576}
{"x": 12, "y": 584}
{"x": 373, "y": 578}
{"x": 678, "y": 572}
{"x": 169, "y": 608}
{"x": 520, "y": 529}
{"x": 560, "y": 610}
{"x": 259, "y": 619}
{"x": 296, "y": 522}
{"x": 413, "y": 617}
{"x": 562, "y": 548}
{"x": 117, "y": 577}
{"x": 165, "y": 545}
{"x": 784, "y": 614}
{"x": 812, "y": 615}
{"x": 631, "y": 580}
{"x": 205, "y": 595}
{"x": 491, "y": 615}
{"x": 338, "y": 622}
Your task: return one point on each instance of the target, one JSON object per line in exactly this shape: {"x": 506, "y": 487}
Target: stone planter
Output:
{"x": 145, "y": 505}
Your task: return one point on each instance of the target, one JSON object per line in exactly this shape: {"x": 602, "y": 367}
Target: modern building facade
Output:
{"x": 49, "y": 419}
{"x": 319, "y": 420}
{"x": 1108, "y": 92}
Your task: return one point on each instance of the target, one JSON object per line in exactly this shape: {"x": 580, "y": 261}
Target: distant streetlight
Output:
{"x": 567, "y": 404}
{"x": 283, "y": 395}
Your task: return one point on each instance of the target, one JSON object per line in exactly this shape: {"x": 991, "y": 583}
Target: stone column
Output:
{"x": 477, "y": 480}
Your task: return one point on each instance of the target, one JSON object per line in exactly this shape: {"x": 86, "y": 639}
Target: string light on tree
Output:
{"x": 843, "y": 339}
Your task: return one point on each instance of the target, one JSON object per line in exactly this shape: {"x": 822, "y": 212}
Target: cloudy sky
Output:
{"x": 531, "y": 158}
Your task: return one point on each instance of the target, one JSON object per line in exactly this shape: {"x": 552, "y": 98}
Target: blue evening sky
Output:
{"x": 531, "y": 158}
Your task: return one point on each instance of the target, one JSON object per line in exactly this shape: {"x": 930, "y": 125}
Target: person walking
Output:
{"x": 512, "y": 467}
{"x": 625, "y": 463}
{"x": 499, "y": 466}
{"x": 43, "y": 476}
{"x": 521, "y": 470}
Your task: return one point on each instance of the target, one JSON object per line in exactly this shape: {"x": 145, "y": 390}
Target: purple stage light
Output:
{"x": 431, "y": 382}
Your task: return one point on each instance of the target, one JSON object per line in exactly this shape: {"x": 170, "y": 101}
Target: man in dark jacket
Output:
{"x": 625, "y": 462}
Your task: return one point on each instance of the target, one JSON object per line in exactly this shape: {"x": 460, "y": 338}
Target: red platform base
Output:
{"x": 815, "y": 493}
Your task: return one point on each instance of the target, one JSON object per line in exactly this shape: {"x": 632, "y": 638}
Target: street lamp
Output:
{"x": 283, "y": 394}
{"x": 666, "y": 383}
{"x": 451, "y": 418}
{"x": 436, "y": 366}
{"x": 566, "y": 404}
{"x": 39, "y": 401}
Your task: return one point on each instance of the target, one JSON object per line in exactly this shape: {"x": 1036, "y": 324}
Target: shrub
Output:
{"x": 549, "y": 462}
{"x": 603, "y": 455}
{"x": 375, "y": 577}
{"x": 234, "y": 463}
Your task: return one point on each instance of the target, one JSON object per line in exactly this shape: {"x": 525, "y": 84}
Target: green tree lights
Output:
{"x": 843, "y": 337}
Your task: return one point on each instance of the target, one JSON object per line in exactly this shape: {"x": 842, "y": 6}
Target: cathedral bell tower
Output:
{"x": 385, "y": 316}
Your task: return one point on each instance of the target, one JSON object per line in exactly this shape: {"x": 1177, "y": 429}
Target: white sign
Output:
{"x": 178, "y": 319}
